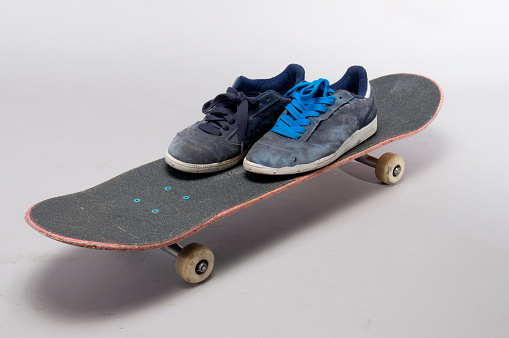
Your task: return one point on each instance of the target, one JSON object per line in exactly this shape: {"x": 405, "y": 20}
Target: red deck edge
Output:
{"x": 232, "y": 210}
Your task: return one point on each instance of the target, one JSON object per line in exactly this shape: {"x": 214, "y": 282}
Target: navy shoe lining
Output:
{"x": 355, "y": 81}
{"x": 281, "y": 83}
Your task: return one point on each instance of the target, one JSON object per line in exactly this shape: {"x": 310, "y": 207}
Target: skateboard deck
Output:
{"x": 154, "y": 205}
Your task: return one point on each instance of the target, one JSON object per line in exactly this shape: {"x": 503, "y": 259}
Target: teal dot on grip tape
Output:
{"x": 136, "y": 200}
{"x": 167, "y": 188}
{"x": 155, "y": 211}
{"x": 186, "y": 197}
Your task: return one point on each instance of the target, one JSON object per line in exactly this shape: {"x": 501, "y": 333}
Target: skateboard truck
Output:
{"x": 194, "y": 263}
{"x": 172, "y": 250}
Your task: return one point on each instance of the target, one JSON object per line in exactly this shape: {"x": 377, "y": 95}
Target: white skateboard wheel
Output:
{"x": 390, "y": 168}
{"x": 194, "y": 263}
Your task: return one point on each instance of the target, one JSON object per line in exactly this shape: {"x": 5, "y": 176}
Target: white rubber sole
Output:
{"x": 355, "y": 139}
{"x": 202, "y": 168}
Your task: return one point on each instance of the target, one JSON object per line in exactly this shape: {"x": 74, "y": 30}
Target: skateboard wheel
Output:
{"x": 194, "y": 263}
{"x": 390, "y": 168}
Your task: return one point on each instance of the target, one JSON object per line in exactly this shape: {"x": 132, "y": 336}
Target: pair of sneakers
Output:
{"x": 278, "y": 126}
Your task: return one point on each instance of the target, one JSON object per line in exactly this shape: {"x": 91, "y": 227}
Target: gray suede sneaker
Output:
{"x": 234, "y": 121}
{"x": 320, "y": 124}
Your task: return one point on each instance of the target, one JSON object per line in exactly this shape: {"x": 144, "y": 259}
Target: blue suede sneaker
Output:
{"x": 320, "y": 124}
{"x": 234, "y": 121}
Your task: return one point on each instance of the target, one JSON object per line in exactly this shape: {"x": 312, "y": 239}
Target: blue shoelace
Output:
{"x": 222, "y": 109}
{"x": 309, "y": 99}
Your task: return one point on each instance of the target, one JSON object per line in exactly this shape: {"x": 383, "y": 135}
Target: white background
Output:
{"x": 90, "y": 89}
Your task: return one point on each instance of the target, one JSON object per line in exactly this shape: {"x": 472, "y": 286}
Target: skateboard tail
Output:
{"x": 89, "y": 244}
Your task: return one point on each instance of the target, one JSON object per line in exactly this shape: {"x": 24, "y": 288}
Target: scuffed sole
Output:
{"x": 202, "y": 168}
{"x": 355, "y": 139}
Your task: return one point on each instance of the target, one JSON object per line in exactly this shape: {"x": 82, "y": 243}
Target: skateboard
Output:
{"x": 155, "y": 206}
